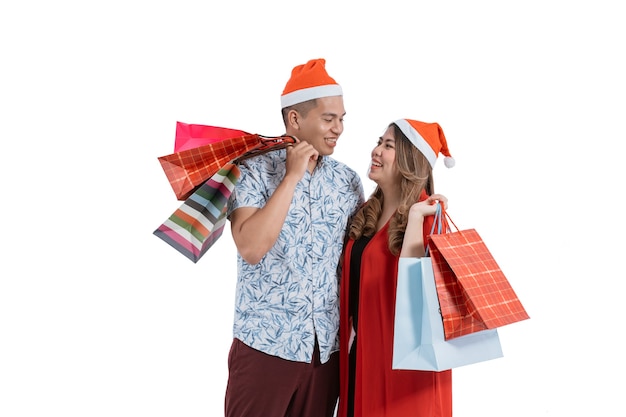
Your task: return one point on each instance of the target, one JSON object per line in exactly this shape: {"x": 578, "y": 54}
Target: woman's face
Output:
{"x": 383, "y": 169}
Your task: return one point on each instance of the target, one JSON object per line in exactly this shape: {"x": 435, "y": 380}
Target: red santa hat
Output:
{"x": 428, "y": 138}
{"x": 307, "y": 82}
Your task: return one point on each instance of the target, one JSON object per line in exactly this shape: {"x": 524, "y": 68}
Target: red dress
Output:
{"x": 380, "y": 391}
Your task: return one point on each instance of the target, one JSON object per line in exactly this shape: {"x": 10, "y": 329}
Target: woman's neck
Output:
{"x": 391, "y": 202}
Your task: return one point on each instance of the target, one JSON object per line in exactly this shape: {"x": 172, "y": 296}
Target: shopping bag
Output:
{"x": 197, "y": 224}
{"x": 418, "y": 340}
{"x": 473, "y": 292}
{"x": 189, "y": 168}
{"x": 189, "y": 136}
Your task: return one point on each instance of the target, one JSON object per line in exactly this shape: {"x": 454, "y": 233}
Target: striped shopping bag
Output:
{"x": 473, "y": 292}
{"x": 197, "y": 224}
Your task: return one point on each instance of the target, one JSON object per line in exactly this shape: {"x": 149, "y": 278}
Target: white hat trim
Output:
{"x": 307, "y": 94}
{"x": 417, "y": 140}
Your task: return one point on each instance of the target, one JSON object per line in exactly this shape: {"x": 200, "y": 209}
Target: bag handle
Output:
{"x": 441, "y": 219}
{"x": 268, "y": 143}
{"x": 446, "y": 218}
{"x": 438, "y": 223}
{"x": 437, "y": 219}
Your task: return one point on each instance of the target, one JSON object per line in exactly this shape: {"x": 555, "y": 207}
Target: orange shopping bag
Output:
{"x": 473, "y": 292}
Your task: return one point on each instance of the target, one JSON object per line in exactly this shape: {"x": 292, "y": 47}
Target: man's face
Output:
{"x": 323, "y": 124}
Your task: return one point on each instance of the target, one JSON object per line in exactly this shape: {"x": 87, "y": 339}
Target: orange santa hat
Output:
{"x": 307, "y": 82}
{"x": 428, "y": 138}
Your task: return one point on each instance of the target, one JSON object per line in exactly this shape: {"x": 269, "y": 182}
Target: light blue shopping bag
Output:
{"x": 419, "y": 342}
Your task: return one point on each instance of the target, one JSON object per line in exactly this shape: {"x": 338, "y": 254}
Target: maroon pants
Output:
{"x": 262, "y": 385}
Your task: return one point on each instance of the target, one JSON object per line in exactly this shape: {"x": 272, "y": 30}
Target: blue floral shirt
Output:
{"x": 292, "y": 295}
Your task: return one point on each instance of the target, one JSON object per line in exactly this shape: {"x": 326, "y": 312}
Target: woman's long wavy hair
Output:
{"x": 417, "y": 175}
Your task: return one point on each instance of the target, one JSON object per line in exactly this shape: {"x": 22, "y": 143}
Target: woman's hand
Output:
{"x": 429, "y": 206}
{"x": 438, "y": 198}
{"x": 413, "y": 244}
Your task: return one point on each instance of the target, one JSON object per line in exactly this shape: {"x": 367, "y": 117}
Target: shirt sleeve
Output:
{"x": 249, "y": 190}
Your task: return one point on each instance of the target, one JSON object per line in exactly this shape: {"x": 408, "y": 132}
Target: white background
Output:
{"x": 98, "y": 317}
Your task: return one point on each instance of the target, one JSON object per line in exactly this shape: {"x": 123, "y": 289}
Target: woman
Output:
{"x": 394, "y": 222}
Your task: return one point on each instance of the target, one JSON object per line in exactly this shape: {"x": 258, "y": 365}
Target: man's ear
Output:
{"x": 292, "y": 119}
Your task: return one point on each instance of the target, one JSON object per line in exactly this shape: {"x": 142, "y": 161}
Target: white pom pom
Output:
{"x": 449, "y": 161}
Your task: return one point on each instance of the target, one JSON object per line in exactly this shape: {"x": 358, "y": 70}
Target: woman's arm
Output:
{"x": 413, "y": 244}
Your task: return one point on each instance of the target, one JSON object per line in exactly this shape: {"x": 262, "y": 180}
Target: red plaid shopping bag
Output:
{"x": 473, "y": 292}
{"x": 186, "y": 170}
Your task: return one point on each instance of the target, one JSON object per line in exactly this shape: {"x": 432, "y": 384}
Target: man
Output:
{"x": 289, "y": 213}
